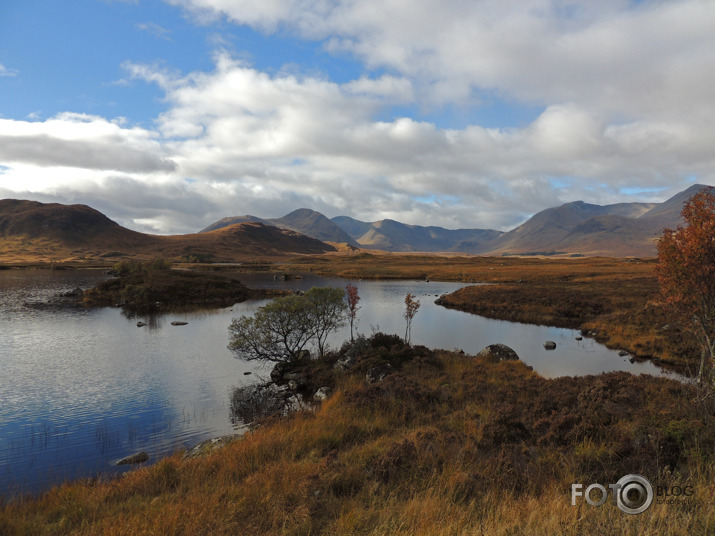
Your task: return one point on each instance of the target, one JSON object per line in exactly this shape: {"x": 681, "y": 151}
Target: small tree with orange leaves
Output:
{"x": 686, "y": 272}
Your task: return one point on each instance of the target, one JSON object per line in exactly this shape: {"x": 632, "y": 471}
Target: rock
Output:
{"x": 550, "y": 345}
{"x": 72, "y": 293}
{"x": 277, "y": 373}
{"x": 210, "y": 445}
{"x": 322, "y": 394}
{"x": 379, "y": 373}
{"x": 295, "y": 380}
{"x": 140, "y": 324}
{"x": 178, "y": 323}
{"x": 622, "y": 353}
{"x": 498, "y": 352}
{"x": 579, "y": 338}
{"x": 247, "y": 373}
{"x": 293, "y": 403}
{"x": 139, "y": 457}
{"x": 345, "y": 362}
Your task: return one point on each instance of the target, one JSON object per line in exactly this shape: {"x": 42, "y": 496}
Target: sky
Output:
{"x": 169, "y": 115}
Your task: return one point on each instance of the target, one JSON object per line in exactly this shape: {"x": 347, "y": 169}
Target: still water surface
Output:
{"x": 81, "y": 388}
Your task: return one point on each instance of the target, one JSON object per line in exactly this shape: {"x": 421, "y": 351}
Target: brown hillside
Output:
{"x": 39, "y": 232}
{"x": 70, "y": 225}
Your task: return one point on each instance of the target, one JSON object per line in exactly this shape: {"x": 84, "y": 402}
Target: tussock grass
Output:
{"x": 448, "y": 445}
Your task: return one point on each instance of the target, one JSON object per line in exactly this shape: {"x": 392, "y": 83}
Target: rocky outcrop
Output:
{"x": 379, "y": 373}
{"x": 498, "y": 352}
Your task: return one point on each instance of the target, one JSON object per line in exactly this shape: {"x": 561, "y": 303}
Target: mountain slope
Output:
{"x": 32, "y": 231}
{"x": 580, "y": 228}
{"x": 225, "y": 222}
{"x": 304, "y": 220}
{"x": 315, "y": 224}
{"x": 391, "y": 235}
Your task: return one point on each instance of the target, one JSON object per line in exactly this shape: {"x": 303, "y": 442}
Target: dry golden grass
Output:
{"x": 617, "y": 299}
{"x": 450, "y": 445}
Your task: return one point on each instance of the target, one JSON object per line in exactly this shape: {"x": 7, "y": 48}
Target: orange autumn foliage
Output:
{"x": 686, "y": 271}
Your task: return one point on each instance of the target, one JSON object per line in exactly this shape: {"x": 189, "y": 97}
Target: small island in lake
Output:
{"x": 154, "y": 286}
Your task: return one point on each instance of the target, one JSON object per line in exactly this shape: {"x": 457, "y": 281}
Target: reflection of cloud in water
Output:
{"x": 88, "y": 386}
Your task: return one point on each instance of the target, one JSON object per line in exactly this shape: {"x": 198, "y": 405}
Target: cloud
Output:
{"x": 81, "y": 141}
{"x": 4, "y": 71}
{"x": 613, "y": 56}
{"x": 305, "y": 140}
{"x": 154, "y": 29}
{"x": 623, "y": 90}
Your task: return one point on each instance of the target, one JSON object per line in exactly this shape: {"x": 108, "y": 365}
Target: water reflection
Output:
{"x": 82, "y": 388}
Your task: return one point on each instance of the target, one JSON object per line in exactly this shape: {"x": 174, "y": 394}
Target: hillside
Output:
{"x": 68, "y": 225}
{"x": 391, "y": 235}
{"x": 575, "y": 228}
{"x": 303, "y": 220}
{"x": 624, "y": 229}
{"x": 442, "y": 444}
{"x": 39, "y": 232}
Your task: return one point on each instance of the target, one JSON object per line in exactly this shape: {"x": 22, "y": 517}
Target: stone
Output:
{"x": 345, "y": 362}
{"x": 579, "y": 338}
{"x": 550, "y": 345}
{"x": 277, "y": 373}
{"x": 322, "y": 394}
{"x": 139, "y": 457}
{"x": 141, "y": 324}
{"x": 379, "y": 373}
{"x": 178, "y": 323}
{"x": 622, "y": 353}
{"x": 498, "y": 352}
{"x": 210, "y": 445}
{"x": 295, "y": 380}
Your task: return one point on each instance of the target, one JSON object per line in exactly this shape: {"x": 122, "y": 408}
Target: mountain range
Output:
{"x": 32, "y": 231}
{"x": 576, "y": 228}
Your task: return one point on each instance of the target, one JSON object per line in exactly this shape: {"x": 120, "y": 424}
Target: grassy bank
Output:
{"x": 616, "y": 299}
{"x": 447, "y": 445}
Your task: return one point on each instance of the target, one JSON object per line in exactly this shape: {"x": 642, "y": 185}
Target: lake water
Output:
{"x": 81, "y": 388}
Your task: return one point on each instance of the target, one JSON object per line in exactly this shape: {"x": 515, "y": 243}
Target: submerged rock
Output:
{"x": 139, "y": 457}
{"x": 210, "y": 445}
{"x": 498, "y": 352}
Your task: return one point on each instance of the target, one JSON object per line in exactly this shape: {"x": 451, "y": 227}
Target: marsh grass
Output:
{"x": 618, "y": 300}
{"x": 447, "y": 445}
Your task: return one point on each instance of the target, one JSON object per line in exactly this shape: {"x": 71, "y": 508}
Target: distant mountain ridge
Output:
{"x": 575, "y": 228}
{"x": 305, "y": 221}
{"x": 31, "y": 231}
